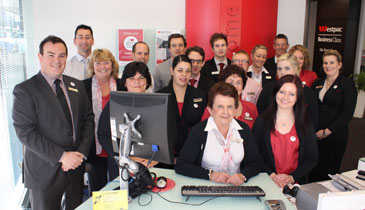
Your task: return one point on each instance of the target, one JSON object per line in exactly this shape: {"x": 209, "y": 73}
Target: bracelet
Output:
{"x": 210, "y": 173}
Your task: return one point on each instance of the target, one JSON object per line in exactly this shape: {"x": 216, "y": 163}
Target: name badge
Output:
{"x": 319, "y": 86}
{"x": 268, "y": 77}
{"x": 197, "y": 100}
{"x": 247, "y": 116}
{"x": 73, "y": 89}
{"x": 304, "y": 83}
{"x": 215, "y": 72}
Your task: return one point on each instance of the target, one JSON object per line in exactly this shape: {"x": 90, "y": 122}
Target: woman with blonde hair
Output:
{"x": 288, "y": 65}
{"x": 302, "y": 56}
{"x": 104, "y": 70}
{"x": 336, "y": 96}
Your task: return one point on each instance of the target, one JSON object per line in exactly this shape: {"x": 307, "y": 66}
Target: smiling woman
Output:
{"x": 189, "y": 102}
{"x": 104, "y": 69}
{"x": 285, "y": 136}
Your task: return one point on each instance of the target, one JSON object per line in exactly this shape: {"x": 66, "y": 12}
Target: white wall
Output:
{"x": 291, "y": 20}
{"x": 45, "y": 17}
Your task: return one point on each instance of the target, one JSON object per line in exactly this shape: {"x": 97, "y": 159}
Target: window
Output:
{"x": 12, "y": 72}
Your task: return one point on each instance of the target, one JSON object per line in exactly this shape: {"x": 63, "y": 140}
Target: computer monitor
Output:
{"x": 157, "y": 123}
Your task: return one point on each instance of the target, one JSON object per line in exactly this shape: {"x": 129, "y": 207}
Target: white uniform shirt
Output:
{"x": 77, "y": 67}
{"x": 214, "y": 149}
{"x": 257, "y": 77}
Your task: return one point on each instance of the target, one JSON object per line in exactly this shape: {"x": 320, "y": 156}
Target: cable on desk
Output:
{"x": 189, "y": 204}
{"x": 146, "y": 204}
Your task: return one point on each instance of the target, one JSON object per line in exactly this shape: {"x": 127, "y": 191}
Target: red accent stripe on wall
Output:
{"x": 258, "y": 23}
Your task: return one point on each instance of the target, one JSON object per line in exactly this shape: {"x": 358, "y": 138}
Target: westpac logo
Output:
{"x": 330, "y": 29}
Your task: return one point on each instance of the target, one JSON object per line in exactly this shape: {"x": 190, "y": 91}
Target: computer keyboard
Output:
{"x": 191, "y": 190}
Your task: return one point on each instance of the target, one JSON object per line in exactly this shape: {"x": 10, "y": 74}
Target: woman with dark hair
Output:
{"x": 189, "y": 102}
{"x": 246, "y": 111}
{"x": 284, "y": 135}
{"x": 336, "y": 96}
{"x": 221, "y": 148}
{"x": 104, "y": 69}
{"x": 136, "y": 78}
{"x": 288, "y": 65}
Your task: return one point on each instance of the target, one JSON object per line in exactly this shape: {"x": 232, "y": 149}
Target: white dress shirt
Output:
{"x": 257, "y": 77}
{"x": 218, "y": 62}
{"x": 77, "y": 67}
{"x": 214, "y": 149}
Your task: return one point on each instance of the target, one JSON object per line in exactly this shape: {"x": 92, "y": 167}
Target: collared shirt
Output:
{"x": 257, "y": 77}
{"x": 251, "y": 91}
{"x": 77, "y": 67}
{"x": 214, "y": 151}
{"x": 218, "y": 62}
{"x": 197, "y": 80}
{"x": 50, "y": 81}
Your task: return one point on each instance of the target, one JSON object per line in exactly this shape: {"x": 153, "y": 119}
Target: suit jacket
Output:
{"x": 189, "y": 162}
{"x": 42, "y": 127}
{"x": 266, "y": 97}
{"x": 210, "y": 69}
{"x": 88, "y": 84}
{"x": 308, "y": 151}
{"x": 205, "y": 83}
{"x": 162, "y": 75}
{"x": 337, "y": 108}
{"x": 192, "y": 111}
{"x": 266, "y": 78}
{"x": 271, "y": 67}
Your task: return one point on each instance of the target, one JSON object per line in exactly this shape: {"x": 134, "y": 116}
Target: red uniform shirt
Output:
{"x": 285, "y": 148}
{"x": 308, "y": 77}
{"x": 105, "y": 100}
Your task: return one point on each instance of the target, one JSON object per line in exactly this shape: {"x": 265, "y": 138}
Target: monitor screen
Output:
{"x": 157, "y": 123}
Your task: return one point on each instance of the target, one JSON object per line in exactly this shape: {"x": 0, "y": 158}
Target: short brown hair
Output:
{"x": 217, "y": 36}
{"x": 334, "y": 53}
{"x": 305, "y": 53}
{"x": 104, "y": 55}
{"x": 233, "y": 70}
{"x": 259, "y": 46}
{"x": 241, "y": 52}
{"x": 224, "y": 89}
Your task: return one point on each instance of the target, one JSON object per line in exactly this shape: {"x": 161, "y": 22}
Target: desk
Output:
{"x": 262, "y": 180}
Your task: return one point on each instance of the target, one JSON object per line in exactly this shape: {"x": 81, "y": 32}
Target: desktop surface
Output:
{"x": 262, "y": 180}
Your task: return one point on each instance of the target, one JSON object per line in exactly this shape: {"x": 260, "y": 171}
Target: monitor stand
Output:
{"x": 126, "y": 165}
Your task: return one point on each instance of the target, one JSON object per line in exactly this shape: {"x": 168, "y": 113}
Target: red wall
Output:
{"x": 247, "y": 23}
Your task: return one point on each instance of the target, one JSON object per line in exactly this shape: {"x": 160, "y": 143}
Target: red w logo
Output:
{"x": 322, "y": 28}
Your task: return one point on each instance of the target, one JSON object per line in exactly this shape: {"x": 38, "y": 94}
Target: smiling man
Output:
{"x": 214, "y": 66}
{"x": 161, "y": 75}
{"x": 280, "y": 46}
{"x": 77, "y": 66}
{"x": 53, "y": 119}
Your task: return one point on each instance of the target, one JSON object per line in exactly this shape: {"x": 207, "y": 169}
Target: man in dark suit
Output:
{"x": 280, "y": 46}
{"x": 54, "y": 121}
{"x": 214, "y": 66}
{"x": 198, "y": 79}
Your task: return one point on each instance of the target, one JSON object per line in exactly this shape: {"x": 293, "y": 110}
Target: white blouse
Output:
{"x": 214, "y": 153}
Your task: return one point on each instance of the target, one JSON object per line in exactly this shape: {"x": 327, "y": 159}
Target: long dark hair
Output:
{"x": 300, "y": 115}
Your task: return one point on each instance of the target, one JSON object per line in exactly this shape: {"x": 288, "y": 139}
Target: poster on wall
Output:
{"x": 161, "y": 44}
{"x": 126, "y": 39}
{"x": 329, "y": 35}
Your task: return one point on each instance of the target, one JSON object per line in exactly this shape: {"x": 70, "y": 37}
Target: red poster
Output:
{"x": 126, "y": 39}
